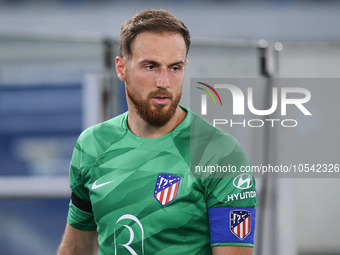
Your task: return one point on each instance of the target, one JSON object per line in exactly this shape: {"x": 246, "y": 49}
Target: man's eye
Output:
{"x": 175, "y": 68}
{"x": 149, "y": 67}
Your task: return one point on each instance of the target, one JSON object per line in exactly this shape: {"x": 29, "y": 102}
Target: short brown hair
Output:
{"x": 154, "y": 21}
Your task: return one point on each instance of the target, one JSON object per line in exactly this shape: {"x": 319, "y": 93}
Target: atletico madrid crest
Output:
{"x": 166, "y": 188}
{"x": 240, "y": 223}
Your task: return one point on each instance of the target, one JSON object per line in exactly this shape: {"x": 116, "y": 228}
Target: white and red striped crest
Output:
{"x": 240, "y": 223}
{"x": 166, "y": 188}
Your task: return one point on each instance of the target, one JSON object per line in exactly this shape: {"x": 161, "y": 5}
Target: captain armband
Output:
{"x": 232, "y": 226}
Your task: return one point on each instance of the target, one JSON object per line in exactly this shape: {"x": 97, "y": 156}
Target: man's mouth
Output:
{"x": 160, "y": 100}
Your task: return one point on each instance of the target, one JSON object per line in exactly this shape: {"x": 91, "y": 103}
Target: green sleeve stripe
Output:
{"x": 80, "y": 219}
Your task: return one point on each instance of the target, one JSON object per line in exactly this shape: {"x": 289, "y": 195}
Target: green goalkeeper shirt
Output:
{"x": 142, "y": 197}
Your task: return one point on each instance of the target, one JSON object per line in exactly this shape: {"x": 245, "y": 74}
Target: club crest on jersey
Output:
{"x": 240, "y": 223}
{"x": 166, "y": 188}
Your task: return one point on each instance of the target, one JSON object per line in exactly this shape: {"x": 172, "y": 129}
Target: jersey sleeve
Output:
{"x": 231, "y": 201}
{"x": 219, "y": 163}
{"x": 80, "y": 215}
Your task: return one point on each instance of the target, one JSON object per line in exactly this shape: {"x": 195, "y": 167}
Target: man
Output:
{"x": 132, "y": 189}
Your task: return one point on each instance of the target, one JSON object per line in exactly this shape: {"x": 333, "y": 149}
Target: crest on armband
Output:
{"x": 240, "y": 223}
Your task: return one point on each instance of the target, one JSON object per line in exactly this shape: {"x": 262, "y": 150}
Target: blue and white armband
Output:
{"x": 232, "y": 226}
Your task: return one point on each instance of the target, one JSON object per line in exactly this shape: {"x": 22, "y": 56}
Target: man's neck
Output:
{"x": 141, "y": 128}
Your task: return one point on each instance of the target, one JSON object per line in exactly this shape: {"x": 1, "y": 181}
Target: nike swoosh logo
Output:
{"x": 96, "y": 186}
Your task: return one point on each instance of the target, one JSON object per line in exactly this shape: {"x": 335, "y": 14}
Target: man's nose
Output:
{"x": 163, "y": 79}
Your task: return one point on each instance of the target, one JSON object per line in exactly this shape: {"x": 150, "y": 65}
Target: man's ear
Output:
{"x": 120, "y": 68}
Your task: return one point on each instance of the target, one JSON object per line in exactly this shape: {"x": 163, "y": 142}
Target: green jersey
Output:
{"x": 145, "y": 196}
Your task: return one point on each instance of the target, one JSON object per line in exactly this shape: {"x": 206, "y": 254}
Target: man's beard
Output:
{"x": 154, "y": 114}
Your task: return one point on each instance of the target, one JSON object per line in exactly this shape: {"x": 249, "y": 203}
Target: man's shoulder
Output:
{"x": 105, "y": 132}
{"x": 205, "y": 132}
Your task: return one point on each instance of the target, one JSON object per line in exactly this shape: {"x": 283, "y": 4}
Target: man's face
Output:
{"x": 154, "y": 76}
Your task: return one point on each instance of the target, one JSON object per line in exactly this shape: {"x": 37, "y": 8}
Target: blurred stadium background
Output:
{"x": 57, "y": 78}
